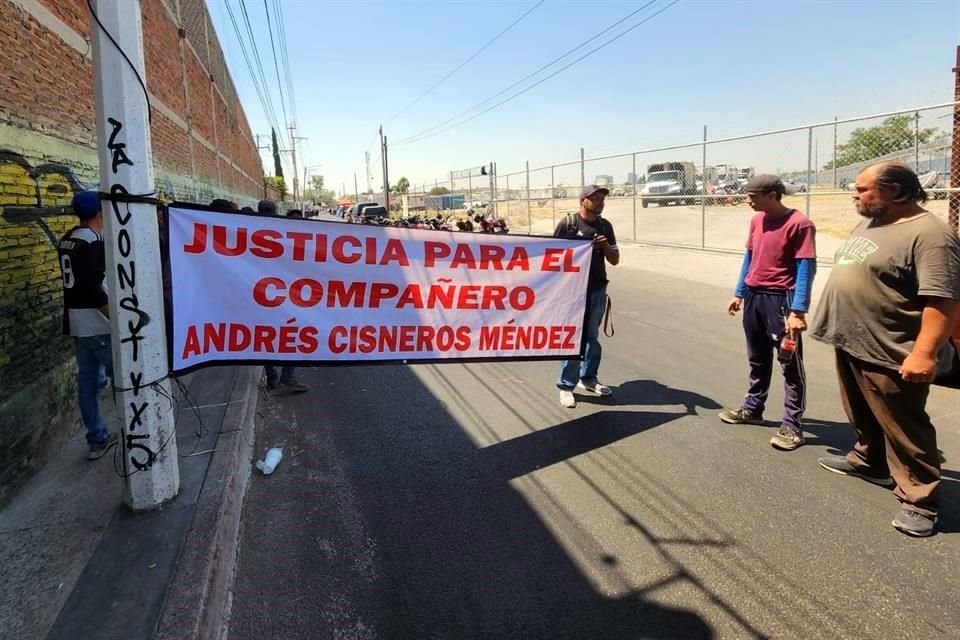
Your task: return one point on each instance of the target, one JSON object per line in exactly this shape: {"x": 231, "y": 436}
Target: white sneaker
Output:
{"x": 567, "y": 399}
{"x": 595, "y": 388}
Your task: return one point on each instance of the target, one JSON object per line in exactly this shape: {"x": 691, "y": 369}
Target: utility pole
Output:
{"x": 293, "y": 152}
{"x": 954, "y": 214}
{"x": 304, "y": 181}
{"x": 148, "y": 441}
{"x": 366, "y": 157}
{"x": 356, "y": 191}
{"x": 386, "y": 174}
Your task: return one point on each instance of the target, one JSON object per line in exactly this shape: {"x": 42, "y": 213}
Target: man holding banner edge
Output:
{"x": 581, "y": 375}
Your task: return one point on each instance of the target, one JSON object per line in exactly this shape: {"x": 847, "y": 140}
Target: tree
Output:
{"x": 439, "y": 191}
{"x": 403, "y": 185}
{"x": 896, "y": 133}
{"x": 316, "y": 183}
{"x": 277, "y": 166}
{"x": 327, "y": 197}
{"x": 277, "y": 183}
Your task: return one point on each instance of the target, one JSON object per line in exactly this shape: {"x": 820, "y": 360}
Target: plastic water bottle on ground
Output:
{"x": 270, "y": 461}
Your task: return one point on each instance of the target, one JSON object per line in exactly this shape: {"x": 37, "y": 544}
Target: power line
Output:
{"x": 267, "y": 109}
{"x": 286, "y": 57}
{"x": 463, "y": 64}
{"x": 422, "y": 135}
{"x": 274, "y": 125}
{"x": 276, "y": 67}
{"x": 255, "y": 54}
{"x": 246, "y": 57}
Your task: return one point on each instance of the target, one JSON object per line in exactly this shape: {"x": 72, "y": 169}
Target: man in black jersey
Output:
{"x": 83, "y": 266}
{"x": 575, "y": 375}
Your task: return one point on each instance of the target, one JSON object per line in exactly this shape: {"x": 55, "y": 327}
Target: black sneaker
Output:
{"x": 741, "y": 415}
{"x": 99, "y": 449}
{"x": 914, "y": 524}
{"x": 839, "y": 464}
{"x": 292, "y": 385}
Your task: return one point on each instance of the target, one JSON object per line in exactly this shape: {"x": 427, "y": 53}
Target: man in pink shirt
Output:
{"x": 774, "y": 288}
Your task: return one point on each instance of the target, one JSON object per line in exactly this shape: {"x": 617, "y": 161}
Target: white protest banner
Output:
{"x": 271, "y": 289}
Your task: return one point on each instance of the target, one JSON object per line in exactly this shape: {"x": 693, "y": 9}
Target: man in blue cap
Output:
{"x": 576, "y": 375}
{"x": 83, "y": 266}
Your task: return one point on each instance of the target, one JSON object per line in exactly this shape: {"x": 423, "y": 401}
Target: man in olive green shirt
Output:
{"x": 888, "y": 308}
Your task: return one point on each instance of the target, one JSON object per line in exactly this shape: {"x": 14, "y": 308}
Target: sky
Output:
{"x": 736, "y": 67}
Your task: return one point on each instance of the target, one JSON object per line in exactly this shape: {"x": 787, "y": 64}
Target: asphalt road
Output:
{"x": 463, "y": 502}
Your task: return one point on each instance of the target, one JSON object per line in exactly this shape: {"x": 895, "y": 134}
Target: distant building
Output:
{"x": 632, "y": 178}
{"x": 603, "y": 180}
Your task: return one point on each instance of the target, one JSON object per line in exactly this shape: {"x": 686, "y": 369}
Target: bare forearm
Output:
{"x": 938, "y": 321}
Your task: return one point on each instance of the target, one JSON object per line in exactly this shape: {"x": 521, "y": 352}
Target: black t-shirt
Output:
{"x": 83, "y": 267}
{"x": 574, "y": 226}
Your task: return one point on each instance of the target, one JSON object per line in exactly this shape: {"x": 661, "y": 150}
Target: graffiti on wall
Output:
{"x": 34, "y": 195}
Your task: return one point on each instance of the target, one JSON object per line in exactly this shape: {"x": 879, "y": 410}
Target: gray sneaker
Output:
{"x": 99, "y": 449}
{"x": 595, "y": 388}
{"x": 741, "y": 415}
{"x": 914, "y": 524}
{"x": 787, "y": 439}
{"x": 839, "y": 464}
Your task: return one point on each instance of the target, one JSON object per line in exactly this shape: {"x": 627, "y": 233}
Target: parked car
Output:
{"x": 357, "y": 210}
{"x": 793, "y": 188}
{"x": 372, "y": 214}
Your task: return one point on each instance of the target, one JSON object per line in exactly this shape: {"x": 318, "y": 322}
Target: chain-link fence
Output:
{"x": 692, "y": 194}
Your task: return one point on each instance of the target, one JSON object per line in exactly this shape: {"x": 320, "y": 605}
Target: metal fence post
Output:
{"x": 916, "y": 141}
{"x": 835, "y": 183}
{"x": 809, "y": 168}
{"x": 507, "y": 177}
{"x": 634, "y": 197}
{"x": 583, "y": 175}
{"x": 553, "y": 195}
{"x": 953, "y": 211}
{"x": 529, "y": 216}
{"x": 470, "y": 185}
{"x": 703, "y": 196}
{"x": 451, "y": 191}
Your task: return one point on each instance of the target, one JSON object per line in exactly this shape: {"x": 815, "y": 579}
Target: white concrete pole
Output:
{"x": 148, "y": 441}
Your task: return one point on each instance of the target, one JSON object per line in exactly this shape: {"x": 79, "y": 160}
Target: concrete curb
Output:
{"x": 197, "y": 605}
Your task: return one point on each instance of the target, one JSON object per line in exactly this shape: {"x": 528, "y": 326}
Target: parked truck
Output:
{"x": 727, "y": 175}
{"x": 669, "y": 183}
{"x": 706, "y": 178}
{"x": 744, "y": 175}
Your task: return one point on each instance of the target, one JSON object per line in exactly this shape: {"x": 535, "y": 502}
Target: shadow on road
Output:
{"x": 650, "y": 392}
{"x": 461, "y": 553}
{"x": 468, "y": 556}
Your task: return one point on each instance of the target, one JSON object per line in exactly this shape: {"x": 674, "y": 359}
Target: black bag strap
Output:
{"x": 608, "y": 318}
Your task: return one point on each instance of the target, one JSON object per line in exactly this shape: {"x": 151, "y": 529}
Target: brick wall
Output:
{"x": 203, "y": 149}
